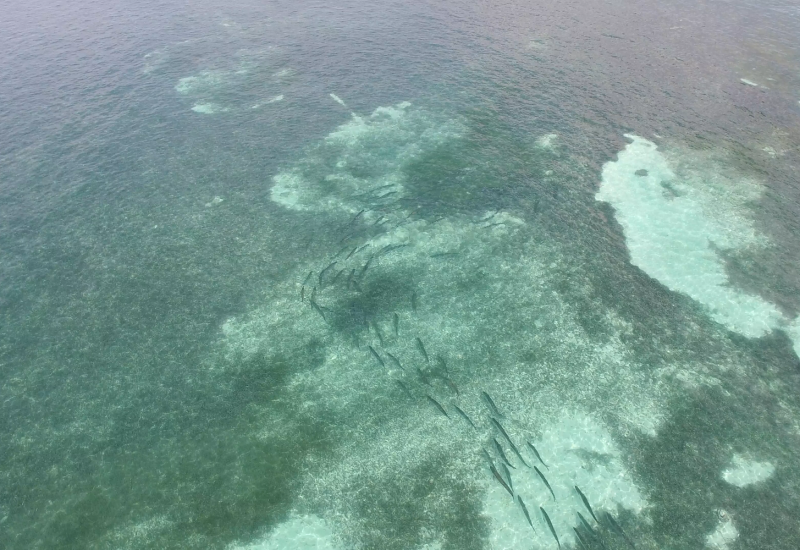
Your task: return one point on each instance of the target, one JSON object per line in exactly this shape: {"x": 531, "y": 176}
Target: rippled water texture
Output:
{"x": 431, "y": 275}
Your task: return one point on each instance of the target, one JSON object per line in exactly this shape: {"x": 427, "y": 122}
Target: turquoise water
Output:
{"x": 248, "y": 252}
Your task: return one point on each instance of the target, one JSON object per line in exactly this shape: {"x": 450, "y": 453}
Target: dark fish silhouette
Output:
{"x": 525, "y": 511}
{"x": 396, "y": 324}
{"x": 586, "y": 503}
{"x": 355, "y": 218}
{"x": 550, "y": 525}
{"x": 423, "y": 377}
{"x": 615, "y": 527}
{"x": 396, "y": 361}
{"x": 516, "y": 452}
{"x": 351, "y": 253}
{"x": 305, "y": 282}
{"x": 376, "y": 222}
{"x": 421, "y": 348}
{"x": 452, "y": 386}
{"x": 360, "y": 248}
{"x": 490, "y": 402}
{"x": 303, "y": 293}
{"x": 537, "y": 454}
{"x": 464, "y": 415}
{"x": 499, "y": 427}
{"x": 338, "y": 274}
{"x": 390, "y": 247}
{"x": 580, "y": 539}
{"x": 501, "y": 453}
{"x": 442, "y": 363}
{"x": 544, "y": 479}
{"x": 376, "y": 356}
{"x": 403, "y": 387}
{"x": 324, "y": 271}
{"x": 438, "y": 405}
{"x": 378, "y": 332}
{"x": 345, "y": 247}
{"x": 366, "y": 266}
{"x": 585, "y": 523}
{"x": 508, "y": 475}
{"x": 594, "y": 535}
{"x": 499, "y": 478}
{"x": 317, "y": 308}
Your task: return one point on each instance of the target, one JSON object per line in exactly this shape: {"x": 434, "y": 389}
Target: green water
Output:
{"x": 247, "y": 253}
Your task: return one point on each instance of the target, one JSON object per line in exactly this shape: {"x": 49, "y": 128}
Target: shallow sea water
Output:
{"x": 300, "y": 275}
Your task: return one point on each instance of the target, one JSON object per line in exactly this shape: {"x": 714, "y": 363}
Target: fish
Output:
{"x": 403, "y": 387}
{"x": 317, "y": 308}
{"x": 378, "y": 332}
{"x": 389, "y": 248}
{"x": 376, "y": 356}
{"x": 550, "y": 525}
{"x": 350, "y": 277}
{"x": 338, "y": 274}
{"x": 396, "y": 324}
{"x": 423, "y": 377}
{"x": 345, "y": 247}
{"x": 313, "y": 293}
{"x": 541, "y": 475}
{"x": 360, "y": 248}
{"x": 487, "y": 455}
{"x": 499, "y": 427}
{"x": 366, "y": 266}
{"x": 586, "y": 503}
{"x": 516, "y": 452}
{"x": 452, "y": 386}
{"x": 396, "y": 360}
{"x": 414, "y": 300}
{"x": 376, "y": 222}
{"x": 305, "y": 282}
{"x": 508, "y": 475}
{"x": 490, "y": 216}
{"x": 499, "y": 478}
{"x": 442, "y": 363}
{"x": 351, "y": 253}
{"x": 537, "y": 454}
{"x": 421, "y": 348}
{"x": 322, "y": 273}
{"x": 438, "y": 405}
{"x": 491, "y": 403}
{"x": 501, "y": 452}
{"x": 356, "y": 217}
{"x": 464, "y": 415}
{"x": 585, "y": 523}
{"x": 303, "y": 293}
{"x": 594, "y": 534}
{"x": 525, "y": 511}
{"x": 615, "y": 527}
{"x": 580, "y": 539}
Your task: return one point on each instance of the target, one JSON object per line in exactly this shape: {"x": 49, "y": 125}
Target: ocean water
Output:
{"x": 307, "y": 275}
